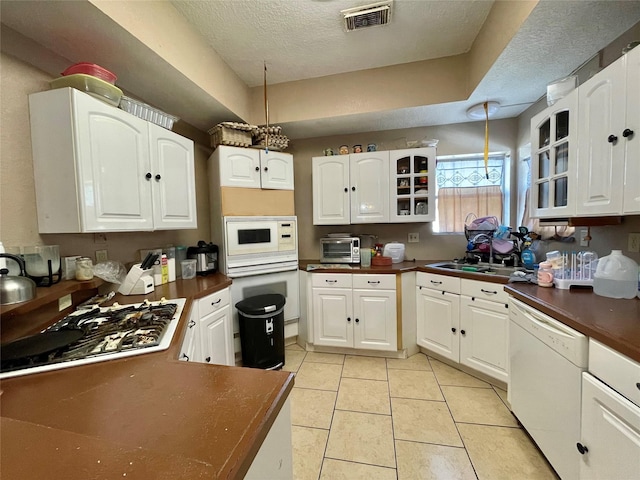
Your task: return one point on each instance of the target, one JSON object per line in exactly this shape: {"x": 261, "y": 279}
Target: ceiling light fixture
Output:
{"x": 477, "y": 112}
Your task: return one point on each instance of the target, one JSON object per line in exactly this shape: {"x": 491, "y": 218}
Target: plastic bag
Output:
{"x": 110, "y": 271}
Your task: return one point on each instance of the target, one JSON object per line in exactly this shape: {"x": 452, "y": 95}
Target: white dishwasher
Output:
{"x": 546, "y": 360}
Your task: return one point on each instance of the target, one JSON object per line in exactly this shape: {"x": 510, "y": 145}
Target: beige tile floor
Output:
{"x": 373, "y": 418}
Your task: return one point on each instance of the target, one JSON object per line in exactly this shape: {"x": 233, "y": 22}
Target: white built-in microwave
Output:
{"x": 254, "y": 245}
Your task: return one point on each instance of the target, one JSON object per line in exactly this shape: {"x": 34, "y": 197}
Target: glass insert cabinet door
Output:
{"x": 412, "y": 187}
{"x": 553, "y": 156}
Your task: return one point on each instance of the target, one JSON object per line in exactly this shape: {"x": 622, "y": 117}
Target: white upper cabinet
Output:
{"x": 174, "y": 189}
{"x": 631, "y": 135}
{"x": 412, "y": 173}
{"x": 253, "y": 168}
{"x": 553, "y": 159}
{"x": 369, "y": 177}
{"x": 351, "y": 188}
{"x": 601, "y": 103}
{"x": 331, "y": 199}
{"x": 99, "y": 169}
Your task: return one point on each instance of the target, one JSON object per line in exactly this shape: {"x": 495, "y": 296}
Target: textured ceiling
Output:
{"x": 304, "y": 39}
{"x": 301, "y": 39}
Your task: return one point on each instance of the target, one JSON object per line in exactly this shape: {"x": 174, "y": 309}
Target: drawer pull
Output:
{"x": 373, "y": 283}
{"x": 582, "y": 448}
{"x": 331, "y": 281}
{"x": 208, "y": 359}
{"x": 185, "y": 356}
{"x": 192, "y": 323}
{"x": 435, "y": 283}
{"x": 490, "y": 292}
{"x": 216, "y": 302}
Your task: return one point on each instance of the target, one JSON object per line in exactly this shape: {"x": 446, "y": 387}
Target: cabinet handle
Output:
{"x": 582, "y": 448}
{"x": 216, "y": 302}
{"x": 377, "y": 282}
{"x": 148, "y": 176}
{"x": 627, "y": 133}
{"x": 353, "y": 189}
{"x": 158, "y": 177}
{"x": 331, "y": 281}
{"x": 463, "y": 332}
{"x": 612, "y": 139}
{"x": 490, "y": 292}
{"x": 357, "y": 320}
{"x": 453, "y": 329}
{"x": 257, "y": 169}
{"x": 185, "y": 356}
{"x": 348, "y": 319}
{"x": 192, "y": 323}
{"x": 208, "y": 359}
{"x": 638, "y": 385}
{"x": 435, "y": 283}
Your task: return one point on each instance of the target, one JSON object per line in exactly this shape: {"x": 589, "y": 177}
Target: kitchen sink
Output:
{"x": 481, "y": 268}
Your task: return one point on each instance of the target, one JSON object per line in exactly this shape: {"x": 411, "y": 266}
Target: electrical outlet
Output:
{"x": 64, "y": 302}
{"x": 634, "y": 242}
{"x": 414, "y": 237}
{"x": 101, "y": 256}
{"x": 99, "y": 238}
{"x": 583, "y": 241}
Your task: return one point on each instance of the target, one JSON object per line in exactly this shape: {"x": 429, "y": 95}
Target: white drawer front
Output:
{"x": 442, "y": 283}
{"x": 378, "y": 282}
{"x": 616, "y": 370}
{"x": 213, "y": 302}
{"x": 494, "y": 292}
{"x": 331, "y": 280}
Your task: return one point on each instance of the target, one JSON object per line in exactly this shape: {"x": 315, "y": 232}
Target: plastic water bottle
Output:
{"x": 616, "y": 276}
{"x": 528, "y": 258}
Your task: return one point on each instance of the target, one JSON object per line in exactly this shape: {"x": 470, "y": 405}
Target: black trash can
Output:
{"x": 262, "y": 331}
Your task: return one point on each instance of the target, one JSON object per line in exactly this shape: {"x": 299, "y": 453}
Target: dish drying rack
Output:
{"x": 575, "y": 269}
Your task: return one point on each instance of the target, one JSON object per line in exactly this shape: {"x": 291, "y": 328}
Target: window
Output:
{"x": 462, "y": 187}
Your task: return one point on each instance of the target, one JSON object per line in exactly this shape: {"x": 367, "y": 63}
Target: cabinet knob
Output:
{"x": 463, "y": 332}
{"x": 185, "y": 356}
{"x": 353, "y": 189}
{"x": 453, "y": 329}
{"x": 346, "y": 189}
{"x": 266, "y": 169}
{"x": 582, "y": 448}
{"x": 627, "y": 133}
{"x": 148, "y": 176}
{"x": 638, "y": 385}
{"x": 208, "y": 359}
{"x": 348, "y": 319}
{"x": 612, "y": 139}
{"x": 357, "y": 320}
{"x": 158, "y": 177}
{"x": 257, "y": 169}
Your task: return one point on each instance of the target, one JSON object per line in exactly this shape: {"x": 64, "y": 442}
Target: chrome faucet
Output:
{"x": 490, "y": 241}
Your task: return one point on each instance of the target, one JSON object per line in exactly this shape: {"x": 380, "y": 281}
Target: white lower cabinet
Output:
{"x": 209, "y": 337}
{"x": 438, "y": 315}
{"x": 355, "y": 311}
{"x": 465, "y": 321}
{"x": 610, "y": 435}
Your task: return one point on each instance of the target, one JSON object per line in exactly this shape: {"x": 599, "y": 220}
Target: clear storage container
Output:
{"x": 616, "y": 276}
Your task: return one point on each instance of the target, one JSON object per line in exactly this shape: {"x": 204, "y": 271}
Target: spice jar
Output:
{"x": 84, "y": 269}
{"x": 545, "y": 274}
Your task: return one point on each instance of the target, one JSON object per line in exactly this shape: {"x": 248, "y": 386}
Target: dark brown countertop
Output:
{"x": 149, "y": 416}
{"x": 406, "y": 266}
{"x": 614, "y": 322}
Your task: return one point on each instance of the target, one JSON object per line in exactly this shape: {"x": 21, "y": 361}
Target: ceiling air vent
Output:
{"x": 365, "y": 16}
